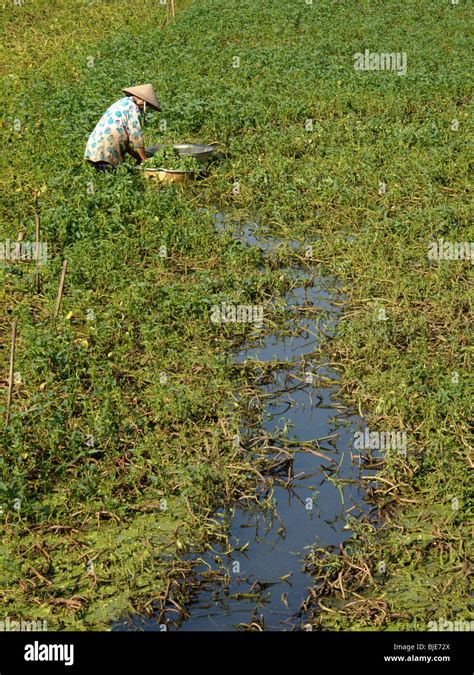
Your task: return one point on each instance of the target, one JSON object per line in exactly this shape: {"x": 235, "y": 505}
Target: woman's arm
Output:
{"x": 136, "y": 145}
{"x": 137, "y": 153}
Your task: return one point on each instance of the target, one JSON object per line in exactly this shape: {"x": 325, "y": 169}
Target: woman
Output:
{"x": 119, "y": 130}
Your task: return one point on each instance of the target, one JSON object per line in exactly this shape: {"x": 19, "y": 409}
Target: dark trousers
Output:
{"x": 103, "y": 167}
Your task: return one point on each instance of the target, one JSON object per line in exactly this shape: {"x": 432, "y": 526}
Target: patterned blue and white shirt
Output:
{"x": 119, "y": 126}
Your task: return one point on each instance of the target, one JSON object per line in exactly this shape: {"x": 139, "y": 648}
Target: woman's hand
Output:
{"x": 137, "y": 153}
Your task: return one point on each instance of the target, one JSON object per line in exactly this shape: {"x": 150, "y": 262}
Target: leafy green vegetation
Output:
{"x": 169, "y": 158}
{"x": 121, "y": 403}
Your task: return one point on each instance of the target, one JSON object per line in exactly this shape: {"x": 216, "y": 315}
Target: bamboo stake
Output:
{"x": 172, "y": 8}
{"x": 37, "y": 252}
{"x": 60, "y": 289}
{"x": 10, "y": 378}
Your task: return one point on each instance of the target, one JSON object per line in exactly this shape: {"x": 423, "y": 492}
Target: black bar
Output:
{"x": 152, "y": 652}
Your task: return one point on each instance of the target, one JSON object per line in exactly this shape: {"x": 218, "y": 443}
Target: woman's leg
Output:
{"x": 103, "y": 167}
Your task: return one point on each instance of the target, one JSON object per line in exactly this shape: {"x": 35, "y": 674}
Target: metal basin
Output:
{"x": 202, "y": 153}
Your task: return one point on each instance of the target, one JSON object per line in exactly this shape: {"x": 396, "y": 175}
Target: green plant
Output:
{"x": 169, "y": 158}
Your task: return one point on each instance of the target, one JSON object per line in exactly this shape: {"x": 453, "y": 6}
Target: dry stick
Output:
{"x": 10, "y": 379}
{"x": 60, "y": 289}
{"x": 37, "y": 252}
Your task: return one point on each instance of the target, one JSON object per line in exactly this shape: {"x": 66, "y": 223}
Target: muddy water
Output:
{"x": 310, "y": 503}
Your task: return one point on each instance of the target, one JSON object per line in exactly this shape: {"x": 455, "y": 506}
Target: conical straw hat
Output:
{"x": 146, "y": 92}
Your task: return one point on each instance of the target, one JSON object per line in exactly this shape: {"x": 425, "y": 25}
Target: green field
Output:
{"x": 369, "y": 167}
